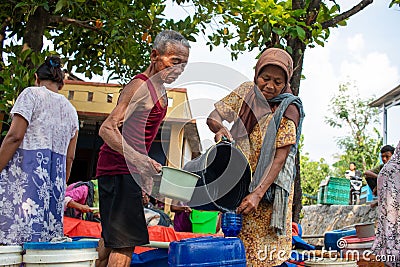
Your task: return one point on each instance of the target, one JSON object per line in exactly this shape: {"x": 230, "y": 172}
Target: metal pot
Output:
{"x": 364, "y": 230}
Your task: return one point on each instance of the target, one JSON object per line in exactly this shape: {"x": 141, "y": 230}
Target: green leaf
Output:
{"x": 21, "y": 4}
{"x": 278, "y": 31}
{"x": 301, "y": 32}
{"x": 60, "y": 4}
{"x": 289, "y": 49}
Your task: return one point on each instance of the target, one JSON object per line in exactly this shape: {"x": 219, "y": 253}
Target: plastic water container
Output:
{"x": 322, "y": 262}
{"x": 66, "y": 254}
{"x": 331, "y": 238}
{"x": 204, "y": 222}
{"x": 177, "y": 184}
{"x": 207, "y": 251}
{"x": 152, "y": 258}
{"x": 231, "y": 224}
{"x": 366, "y": 194}
{"x": 10, "y": 256}
{"x": 355, "y": 245}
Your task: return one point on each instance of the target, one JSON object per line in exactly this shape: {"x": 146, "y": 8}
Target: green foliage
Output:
{"x": 311, "y": 173}
{"x": 351, "y": 112}
{"x": 394, "y": 2}
{"x": 365, "y": 155}
{"x": 93, "y": 37}
{"x": 247, "y": 24}
{"x": 17, "y": 75}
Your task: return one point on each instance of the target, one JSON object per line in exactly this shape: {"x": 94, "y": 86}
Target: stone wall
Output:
{"x": 318, "y": 219}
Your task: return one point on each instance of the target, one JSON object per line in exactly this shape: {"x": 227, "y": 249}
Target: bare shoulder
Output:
{"x": 136, "y": 88}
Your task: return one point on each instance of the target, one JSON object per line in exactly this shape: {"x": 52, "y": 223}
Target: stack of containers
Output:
{"x": 10, "y": 256}
{"x": 331, "y": 238}
{"x": 336, "y": 191}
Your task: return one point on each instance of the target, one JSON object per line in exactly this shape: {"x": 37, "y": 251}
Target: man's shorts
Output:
{"x": 121, "y": 210}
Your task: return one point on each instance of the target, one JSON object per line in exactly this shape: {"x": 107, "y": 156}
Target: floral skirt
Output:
{"x": 263, "y": 247}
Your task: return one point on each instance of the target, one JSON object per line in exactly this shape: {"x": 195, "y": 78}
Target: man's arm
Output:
{"x": 133, "y": 96}
{"x": 370, "y": 174}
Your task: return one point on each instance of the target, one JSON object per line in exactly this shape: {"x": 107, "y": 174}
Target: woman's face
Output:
{"x": 271, "y": 81}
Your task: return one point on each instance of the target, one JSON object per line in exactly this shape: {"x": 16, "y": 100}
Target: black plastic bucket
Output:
{"x": 225, "y": 177}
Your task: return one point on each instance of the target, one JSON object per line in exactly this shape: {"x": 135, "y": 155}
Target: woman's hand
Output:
{"x": 85, "y": 208}
{"x": 223, "y": 132}
{"x": 249, "y": 203}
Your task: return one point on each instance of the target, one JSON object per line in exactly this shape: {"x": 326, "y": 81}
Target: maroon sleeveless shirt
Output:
{"x": 139, "y": 131}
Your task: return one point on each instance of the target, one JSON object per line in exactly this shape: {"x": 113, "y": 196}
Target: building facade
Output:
{"x": 176, "y": 143}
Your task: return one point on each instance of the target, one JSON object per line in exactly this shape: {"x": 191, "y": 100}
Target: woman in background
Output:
{"x": 35, "y": 160}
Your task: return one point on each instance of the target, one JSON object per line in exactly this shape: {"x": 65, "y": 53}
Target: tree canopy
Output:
{"x": 93, "y": 37}
{"x": 351, "y": 112}
{"x": 290, "y": 24}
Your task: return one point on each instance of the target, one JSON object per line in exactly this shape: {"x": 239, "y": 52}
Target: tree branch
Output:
{"x": 312, "y": 11}
{"x": 347, "y": 14}
{"x": 298, "y": 4}
{"x": 83, "y": 24}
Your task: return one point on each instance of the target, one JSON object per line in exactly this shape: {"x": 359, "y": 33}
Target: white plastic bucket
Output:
{"x": 10, "y": 256}
{"x": 67, "y": 254}
{"x": 177, "y": 184}
{"x": 325, "y": 262}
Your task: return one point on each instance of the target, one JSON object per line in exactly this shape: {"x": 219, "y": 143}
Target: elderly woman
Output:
{"x": 387, "y": 242}
{"x": 267, "y": 124}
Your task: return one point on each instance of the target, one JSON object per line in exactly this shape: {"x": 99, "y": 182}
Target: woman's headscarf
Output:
{"x": 278, "y": 57}
{"x": 255, "y": 107}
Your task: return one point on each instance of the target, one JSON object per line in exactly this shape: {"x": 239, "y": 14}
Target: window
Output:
{"x": 170, "y": 102}
{"x": 109, "y": 98}
{"x": 70, "y": 95}
{"x": 90, "y": 96}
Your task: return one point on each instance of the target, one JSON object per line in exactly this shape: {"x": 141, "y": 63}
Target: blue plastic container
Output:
{"x": 231, "y": 224}
{"x": 74, "y": 254}
{"x": 331, "y": 238}
{"x": 152, "y": 258}
{"x": 366, "y": 194}
{"x": 207, "y": 251}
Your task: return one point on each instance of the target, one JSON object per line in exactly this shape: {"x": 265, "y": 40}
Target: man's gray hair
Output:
{"x": 169, "y": 37}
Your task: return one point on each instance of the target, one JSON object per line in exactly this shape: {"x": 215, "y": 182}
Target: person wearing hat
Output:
{"x": 267, "y": 121}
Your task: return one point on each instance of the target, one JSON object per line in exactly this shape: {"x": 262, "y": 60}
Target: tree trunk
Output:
{"x": 37, "y": 23}
{"x": 298, "y": 48}
{"x": 298, "y": 193}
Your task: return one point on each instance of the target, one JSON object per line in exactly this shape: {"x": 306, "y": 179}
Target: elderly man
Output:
{"x": 123, "y": 165}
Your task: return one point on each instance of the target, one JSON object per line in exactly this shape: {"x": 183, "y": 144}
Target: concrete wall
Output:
{"x": 318, "y": 219}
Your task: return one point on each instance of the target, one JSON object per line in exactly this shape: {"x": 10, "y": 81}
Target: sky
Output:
{"x": 365, "y": 53}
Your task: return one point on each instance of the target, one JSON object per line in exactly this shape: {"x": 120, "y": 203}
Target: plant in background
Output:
{"x": 312, "y": 173}
{"x": 351, "y": 112}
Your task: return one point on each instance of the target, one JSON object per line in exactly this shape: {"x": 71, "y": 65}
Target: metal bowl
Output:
{"x": 364, "y": 230}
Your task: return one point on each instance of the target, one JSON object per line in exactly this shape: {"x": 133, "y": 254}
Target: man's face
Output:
{"x": 352, "y": 167}
{"x": 172, "y": 63}
{"x": 386, "y": 156}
